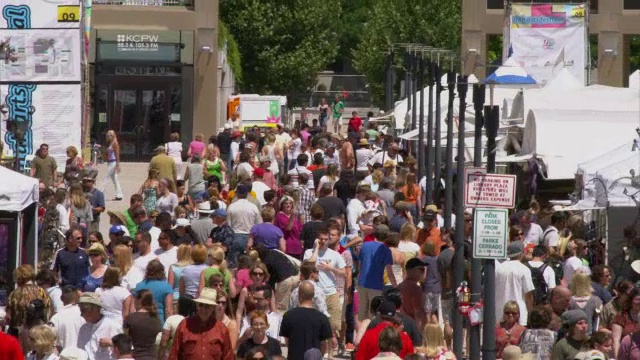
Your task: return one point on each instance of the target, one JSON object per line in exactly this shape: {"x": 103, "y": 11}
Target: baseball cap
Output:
{"x": 90, "y": 298}
{"x": 264, "y": 158}
{"x": 429, "y": 215}
{"x": 220, "y": 213}
{"x": 242, "y": 189}
{"x": 414, "y": 263}
{"x": 118, "y": 229}
{"x": 515, "y": 248}
{"x": 259, "y": 172}
{"x": 387, "y": 308}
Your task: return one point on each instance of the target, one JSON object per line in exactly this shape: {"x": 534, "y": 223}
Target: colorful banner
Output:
{"x": 43, "y": 55}
{"x": 40, "y": 14}
{"x": 545, "y": 38}
{"x": 53, "y": 113}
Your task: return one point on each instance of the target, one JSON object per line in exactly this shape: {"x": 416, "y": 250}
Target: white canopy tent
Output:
{"x": 18, "y": 219}
{"x": 634, "y": 80}
{"x": 566, "y": 138}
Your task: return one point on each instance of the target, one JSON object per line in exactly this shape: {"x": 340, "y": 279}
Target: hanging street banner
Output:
{"x": 491, "y": 231}
{"x": 43, "y": 55}
{"x": 53, "y": 116}
{"x": 40, "y": 14}
{"x": 489, "y": 190}
{"x": 545, "y": 38}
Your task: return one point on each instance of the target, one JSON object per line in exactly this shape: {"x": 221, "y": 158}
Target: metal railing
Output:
{"x": 145, "y": 2}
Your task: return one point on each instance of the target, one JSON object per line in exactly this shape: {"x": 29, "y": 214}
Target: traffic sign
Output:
{"x": 489, "y": 190}
{"x": 491, "y": 231}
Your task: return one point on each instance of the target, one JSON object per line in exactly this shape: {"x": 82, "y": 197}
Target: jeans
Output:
{"x": 113, "y": 174}
{"x": 350, "y": 319}
{"x": 238, "y": 246}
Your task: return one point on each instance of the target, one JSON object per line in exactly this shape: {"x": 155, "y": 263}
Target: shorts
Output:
{"x": 364, "y": 301}
{"x": 431, "y": 303}
{"x": 447, "y": 309}
{"x": 334, "y": 307}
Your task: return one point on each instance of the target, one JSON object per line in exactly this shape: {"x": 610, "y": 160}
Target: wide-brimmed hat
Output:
{"x": 90, "y": 298}
{"x": 97, "y": 248}
{"x": 207, "y": 296}
{"x": 119, "y": 215}
{"x": 515, "y": 249}
{"x": 513, "y": 352}
{"x": 205, "y": 207}
{"x": 182, "y": 223}
{"x": 363, "y": 142}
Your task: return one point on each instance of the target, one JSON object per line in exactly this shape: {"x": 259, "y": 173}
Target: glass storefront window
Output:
{"x": 175, "y": 109}
{"x": 495, "y": 4}
{"x": 632, "y": 4}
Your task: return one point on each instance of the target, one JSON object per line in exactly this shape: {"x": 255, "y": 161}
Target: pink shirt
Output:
{"x": 197, "y": 147}
{"x": 243, "y": 279}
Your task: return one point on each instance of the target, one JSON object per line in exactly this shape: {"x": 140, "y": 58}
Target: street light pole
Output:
{"x": 429, "y": 157}
{"x": 448, "y": 190}
{"x": 459, "y": 267}
{"x": 438, "y": 135}
{"x": 421, "y": 157}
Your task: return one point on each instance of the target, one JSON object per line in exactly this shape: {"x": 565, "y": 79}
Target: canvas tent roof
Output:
{"x": 566, "y": 138}
{"x": 17, "y": 191}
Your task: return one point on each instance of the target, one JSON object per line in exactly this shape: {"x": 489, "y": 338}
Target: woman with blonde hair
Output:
{"x": 212, "y": 165}
{"x": 583, "y": 298}
{"x": 218, "y": 266}
{"x": 509, "y": 331}
{"x": 183, "y": 255}
{"x": 81, "y": 213}
{"x": 117, "y": 301}
{"x": 407, "y": 244}
{"x": 113, "y": 161}
{"x": 174, "y": 149}
{"x": 433, "y": 344}
{"x": 130, "y": 275}
{"x": 274, "y": 153}
{"x": 168, "y": 200}
{"x": 224, "y": 314}
{"x": 149, "y": 190}
{"x": 73, "y": 166}
{"x": 330, "y": 177}
{"x": 42, "y": 339}
{"x": 376, "y": 179}
{"x": 196, "y": 146}
{"x": 190, "y": 280}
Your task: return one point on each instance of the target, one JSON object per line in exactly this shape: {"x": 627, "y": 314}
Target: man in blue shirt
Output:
{"x": 375, "y": 259}
{"x": 96, "y": 198}
{"x": 72, "y": 262}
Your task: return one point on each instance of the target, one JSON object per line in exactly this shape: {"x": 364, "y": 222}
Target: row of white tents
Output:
{"x": 572, "y": 128}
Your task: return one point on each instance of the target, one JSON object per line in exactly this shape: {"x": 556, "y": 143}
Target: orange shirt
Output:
{"x": 434, "y": 236}
{"x": 414, "y": 196}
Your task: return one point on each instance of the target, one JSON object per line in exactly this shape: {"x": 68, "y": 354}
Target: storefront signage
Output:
{"x": 145, "y": 71}
{"x": 489, "y": 190}
{"x": 490, "y": 230}
{"x": 137, "y": 42}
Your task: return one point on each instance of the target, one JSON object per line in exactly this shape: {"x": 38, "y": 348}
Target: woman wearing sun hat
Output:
{"x": 98, "y": 258}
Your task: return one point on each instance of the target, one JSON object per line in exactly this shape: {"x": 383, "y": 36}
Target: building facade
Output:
{"x": 612, "y": 21}
{"x": 154, "y": 71}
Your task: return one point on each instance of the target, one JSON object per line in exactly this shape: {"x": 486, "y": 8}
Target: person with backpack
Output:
{"x": 543, "y": 276}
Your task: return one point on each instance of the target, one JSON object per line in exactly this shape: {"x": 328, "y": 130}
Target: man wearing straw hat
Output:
{"x": 202, "y": 336}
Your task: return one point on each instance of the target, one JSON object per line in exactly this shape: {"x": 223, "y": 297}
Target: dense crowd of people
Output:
{"x": 300, "y": 240}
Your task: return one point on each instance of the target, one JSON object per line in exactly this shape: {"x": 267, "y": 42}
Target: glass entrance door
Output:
{"x": 140, "y": 117}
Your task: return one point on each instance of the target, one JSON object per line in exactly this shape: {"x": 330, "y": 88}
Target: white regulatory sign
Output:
{"x": 491, "y": 231}
{"x": 489, "y": 190}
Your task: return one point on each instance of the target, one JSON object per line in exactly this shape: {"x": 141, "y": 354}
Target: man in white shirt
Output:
{"x": 539, "y": 255}
{"x": 355, "y": 208}
{"x": 235, "y": 148}
{"x": 95, "y": 335}
{"x": 390, "y": 155}
{"x": 262, "y": 297}
{"x": 363, "y": 155}
{"x": 67, "y": 321}
{"x": 235, "y": 121}
{"x": 258, "y": 186}
{"x": 532, "y": 231}
{"x": 301, "y": 168}
{"x": 514, "y": 282}
{"x": 331, "y": 265}
{"x": 294, "y": 149}
{"x": 167, "y": 253}
{"x": 241, "y": 216}
{"x": 551, "y": 235}
{"x": 145, "y": 255}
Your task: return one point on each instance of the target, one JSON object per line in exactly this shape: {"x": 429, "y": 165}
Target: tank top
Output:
{"x": 111, "y": 154}
{"x": 150, "y": 199}
{"x": 196, "y": 178}
{"x": 271, "y": 153}
{"x": 177, "y": 273}
{"x": 214, "y": 167}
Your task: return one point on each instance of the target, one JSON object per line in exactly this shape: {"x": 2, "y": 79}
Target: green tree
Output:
{"x": 433, "y": 23}
{"x": 283, "y": 44}
{"x": 233, "y": 53}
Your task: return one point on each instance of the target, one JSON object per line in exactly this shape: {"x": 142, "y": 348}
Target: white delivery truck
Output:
{"x": 261, "y": 110}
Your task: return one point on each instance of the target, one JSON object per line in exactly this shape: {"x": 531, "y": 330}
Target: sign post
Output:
{"x": 491, "y": 232}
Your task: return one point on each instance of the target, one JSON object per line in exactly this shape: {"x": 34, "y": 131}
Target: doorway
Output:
{"x": 141, "y": 114}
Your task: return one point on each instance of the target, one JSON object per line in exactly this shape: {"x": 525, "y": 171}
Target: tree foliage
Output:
{"x": 233, "y": 52}
{"x": 435, "y": 23}
{"x": 283, "y": 44}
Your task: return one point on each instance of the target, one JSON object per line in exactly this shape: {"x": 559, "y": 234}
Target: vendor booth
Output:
{"x": 18, "y": 219}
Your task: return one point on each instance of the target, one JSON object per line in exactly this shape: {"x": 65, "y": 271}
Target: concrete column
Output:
{"x": 205, "y": 67}
{"x": 611, "y": 44}
{"x": 473, "y": 62}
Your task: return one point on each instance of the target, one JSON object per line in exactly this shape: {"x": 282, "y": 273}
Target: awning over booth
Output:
{"x": 566, "y": 138}
{"x": 17, "y": 191}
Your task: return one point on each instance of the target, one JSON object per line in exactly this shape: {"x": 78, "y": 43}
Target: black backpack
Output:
{"x": 556, "y": 265}
{"x": 541, "y": 291}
